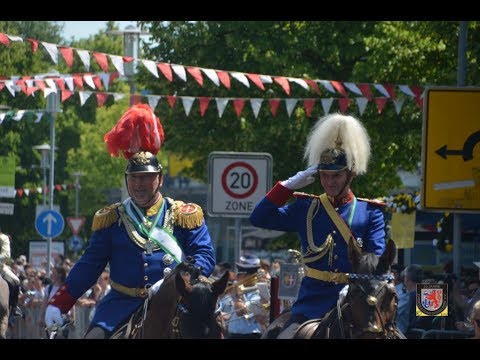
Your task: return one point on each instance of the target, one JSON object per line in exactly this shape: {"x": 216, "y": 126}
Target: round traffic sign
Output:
{"x": 239, "y": 180}
{"x": 49, "y": 223}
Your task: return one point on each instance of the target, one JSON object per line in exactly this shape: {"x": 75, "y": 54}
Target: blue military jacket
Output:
{"x": 130, "y": 264}
{"x": 317, "y": 297}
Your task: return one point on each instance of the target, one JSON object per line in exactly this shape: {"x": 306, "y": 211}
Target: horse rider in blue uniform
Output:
{"x": 337, "y": 150}
{"x": 142, "y": 238}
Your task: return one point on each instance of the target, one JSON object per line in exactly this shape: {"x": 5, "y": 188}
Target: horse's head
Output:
{"x": 197, "y": 303}
{"x": 371, "y": 294}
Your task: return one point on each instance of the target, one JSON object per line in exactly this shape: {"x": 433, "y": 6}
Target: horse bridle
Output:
{"x": 372, "y": 301}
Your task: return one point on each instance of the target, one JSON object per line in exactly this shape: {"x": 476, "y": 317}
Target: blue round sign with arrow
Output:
{"x": 49, "y": 223}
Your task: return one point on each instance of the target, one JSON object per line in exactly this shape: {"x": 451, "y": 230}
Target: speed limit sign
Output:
{"x": 237, "y": 181}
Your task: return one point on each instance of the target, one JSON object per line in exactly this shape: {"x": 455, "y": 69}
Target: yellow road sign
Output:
{"x": 450, "y": 155}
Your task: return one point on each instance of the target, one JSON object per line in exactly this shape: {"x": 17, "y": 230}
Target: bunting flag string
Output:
{"x": 220, "y": 77}
{"x": 21, "y": 192}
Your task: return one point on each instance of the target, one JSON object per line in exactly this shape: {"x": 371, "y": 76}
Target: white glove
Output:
{"x": 301, "y": 179}
{"x": 152, "y": 290}
{"x": 53, "y": 316}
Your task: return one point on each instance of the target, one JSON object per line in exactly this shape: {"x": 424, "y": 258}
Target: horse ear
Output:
{"x": 220, "y": 285}
{"x": 387, "y": 257}
{"x": 354, "y": 253}
{"x": 182, "y": 282}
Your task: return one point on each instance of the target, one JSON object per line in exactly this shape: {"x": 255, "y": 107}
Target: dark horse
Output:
{"x": 368, "y": 310}
{"x": 4, "y": 308}
{"x": 185, "y": 306}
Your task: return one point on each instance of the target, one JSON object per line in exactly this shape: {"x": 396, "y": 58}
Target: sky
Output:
{"x": 83, "y": 29}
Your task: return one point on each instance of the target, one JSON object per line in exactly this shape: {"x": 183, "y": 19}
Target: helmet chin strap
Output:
{"x": 347, "y": 181}
{"x": 151, "y": 197}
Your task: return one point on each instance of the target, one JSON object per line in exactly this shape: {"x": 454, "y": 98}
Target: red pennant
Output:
{"x": 31, "y": 90}
{"x": 224, "y": 78}
{"x": 308, "y": 104}
{"x": 204, "y": 101}
{"x": 339, "y": 87}
{"x": 33, "y": 44}
{"x": 67, "y": 53}
{"x": 40, "y": 84}
{"x": 313, "y": 84}
{"x": 255, "y": 78}
{"x": 23, "y": 86}
{"x": 101, "y": 98}
{"x": 102, "y": 60}
{"x": 78, "y": 81}
{"x": 391, "y": 91}
{"x": 417, "y": 90}
{"x": 66, "y": 94}
{"x": 60, "y": 83}
{"x": 97, "y": 82}
{"x": 343, "y": 103}
{"x": 113, "y": 76}
{"x": 4, "y": 39}
{"x": 19, "y": 192}
{"x": 283, "y": 82}
{"x": 419, "y": 102}
{"x": 239, "y": 104}
{"x": 197, "y": 75}
{"x": 365, "y": 89}
{"x": 166, "y": 70}
{"x": 171, "y": 100}
{"x": 2, "y": 85}
{"x": 127, "y": 59}
{"x": 274, "y": 103}
{"x": 381, "y": 101}
{"x": 58, "y": 187}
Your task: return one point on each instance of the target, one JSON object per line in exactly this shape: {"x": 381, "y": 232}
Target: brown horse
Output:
{"x": 4, "y": 308}
{"x": 185, "y": 306}
{"x": 368, "y": 310}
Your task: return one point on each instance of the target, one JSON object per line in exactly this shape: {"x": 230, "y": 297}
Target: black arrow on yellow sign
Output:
{"x": 467, "y": 152}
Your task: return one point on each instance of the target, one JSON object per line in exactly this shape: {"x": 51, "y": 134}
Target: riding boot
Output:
{"x": 14, "y": 308}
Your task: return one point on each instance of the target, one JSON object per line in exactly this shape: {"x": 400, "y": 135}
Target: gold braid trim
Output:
{"x": 188, "y": 216}
{"x": 105, "y": 217}
{"x": 312, "y": 249}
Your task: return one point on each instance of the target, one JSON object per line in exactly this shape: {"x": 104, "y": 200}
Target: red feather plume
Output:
{"x": 137, "y": 130}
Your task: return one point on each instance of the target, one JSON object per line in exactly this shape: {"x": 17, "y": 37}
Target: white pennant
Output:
{"x": 241, "y": 77}
{"x": 290, "y": 103}
{"x": 52, "y": 51}
{"x": 326, "y": 84}
{"x": 84, "y": 55}
{"x": 300, "y": 82}
{"x": 326, "y": 105}
{"x": 382, "y": 89}
{"x": 84, "y": 95}
{"x": 221, "y": 105}
{"x": 151, "y": 66}
{"x": 69, "y": 82}
{"x": 10, "y": 87}
{"x": 2, "y": 117}
{"x": 18, "y": 116}
{"x": 406, "y": 90}
{"x": 117, "y": 61}
{"x": 353, "y": 88}
{"x": 362, "y": 104}
{"x": 105, "y": 77}
{"x": 89, "y": 80}
{"x": 153, "y": 100}
{"x": 39, "y": 190}
{"x": 256, "y": 105}
{"x": 187, "y": 103}
{"x": 39, "y": 117}
{"x": 29, "y": 82}
{"x": 51, "y": 84}
{"x": 118, "y": 96}
{"x": 64, "y": 186}
{"x": 15, "y": 38}
{"x": 266, "y": 79}
{"x": 14, "y": 78}
{"x": 398, "y": 104}
{"x": 180, "y": 71}
{"x": 27, "y": 191}
{"x": 212, "y": 75}
{"x": 47, "y": 91}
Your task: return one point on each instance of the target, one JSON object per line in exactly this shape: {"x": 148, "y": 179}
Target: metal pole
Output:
{"x": 52, "y": 107}
{"x": 238, "y": 235}
{"x": 461, "y": 79}
{"x": 44, "y": 165}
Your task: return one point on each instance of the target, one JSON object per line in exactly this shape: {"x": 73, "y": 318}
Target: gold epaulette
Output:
{"x": 305, "y": 195}
{"x": 105, "y": 217}
{"x": 188, "y": 216}
{"x": 373, "y": 201}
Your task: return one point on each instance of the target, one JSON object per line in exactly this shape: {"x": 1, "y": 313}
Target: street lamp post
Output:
{"x": 77, "y": 176}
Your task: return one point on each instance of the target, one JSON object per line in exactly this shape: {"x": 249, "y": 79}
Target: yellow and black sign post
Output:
{"x": 450, "y": 155}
